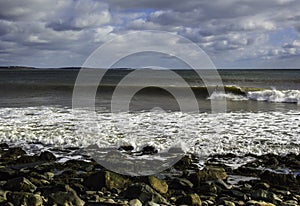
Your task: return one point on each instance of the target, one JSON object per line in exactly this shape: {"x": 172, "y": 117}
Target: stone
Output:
{"x": 149, "y": 150}
{"x": 127, "y": 148}
{"x": 190, "y": 199}
{"x": 239, "y": 194}
{"x": 181, "y": 183}
{"x": 144, "y": 193}
{"x": 152, "y": 204}
{"x": 7, "y": 173}
{"x": 135, "y": 202}
{"x": 24, "y": 198}
{"x": 278, "y": 178}
{"x": 208, "y": 188}
{"x": 259, "y": 203}
{"x": 67, "y": 197}
{"x": 4, "y": 146}
{"x": 159, "y": 185}
{"x": 228, "y": 203}
{"x": 19, "y": 184}
{"x": 208, "y": 173}
{"x": 262, "y": 185}
{"x": 47, "y": 156}
{"x": 108, "y": 179}
{"x": 266, "y": 196}
{"x": 290, "y": 203}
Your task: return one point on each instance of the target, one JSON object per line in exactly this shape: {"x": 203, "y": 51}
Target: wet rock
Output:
{"x": 222, "y": 184}
{"x": 135, "y": 202}
{"x": 159, "y": 185}
{"x": 19, "y": 184}
{"x": 107, "y": 179}
{"x": 262, "y": 185}
{"x": 126, "y": 148}
{"x": 259, "y": 203}
{"x": 24, "y": 198}
{"x": 228, "y": 203}
{"x": 149, "y": 150}
{"x": 7, "y": 173}
{"x": 4, "y": 146}
{"x": 47, "y": 156}
{"x": 239, "y": 194}
{"x": 190, "y": 199}
{"x": 67, "y": 197}
{"x": 184, "y": 163}
{"x": 12, "y": 153}
{"x": 79, "y": 165}
{"x": 208, "y": 173}
{"x": 278, "y": 178}
{"x": 152, "y": 204}
{"x": 208, "y": 188}
{"x": 290, "y": 203}
{"x": 181, "y": 183}
{"x": 266, "y": 196}
{"x": 144, "y": 193}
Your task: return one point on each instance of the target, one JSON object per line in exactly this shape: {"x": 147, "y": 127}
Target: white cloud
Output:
{"x": 230, "y": 31}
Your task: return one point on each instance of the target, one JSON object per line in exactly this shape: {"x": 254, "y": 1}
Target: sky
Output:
{"x": 234, "y": 33}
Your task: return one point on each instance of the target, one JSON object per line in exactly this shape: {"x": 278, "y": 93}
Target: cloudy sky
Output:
{"x": 234, "y": 33}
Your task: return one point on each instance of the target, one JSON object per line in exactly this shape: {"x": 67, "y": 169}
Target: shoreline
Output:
{"x": 40, "y": 179}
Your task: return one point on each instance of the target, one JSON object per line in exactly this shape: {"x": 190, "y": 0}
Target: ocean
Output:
{"x": 262, "y": 113}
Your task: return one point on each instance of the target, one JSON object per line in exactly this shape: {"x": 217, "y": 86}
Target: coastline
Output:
{"x": 40, "y": 179}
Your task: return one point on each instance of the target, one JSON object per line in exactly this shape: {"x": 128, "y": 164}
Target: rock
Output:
{"x": 228, "y": 203}
{"x": 144, "y": 193}
{"x": 4, "y": 146}
{"x": 208, "y": 173}
{"x": 261, "y": 185}
{"x": 12, "y": 153}
{"x": 19, "y": 184}
{"x": 47, "y": 156}
{"x": 208, "y": 188}
{"x": 222, "y": 184}
{"x": 152, "y": 204}
{"x": 7, "y": 173}
{"x": 272, "y": 161}
{"x": 266, "y": 196}
{"x": 259, "y": 203}
{"x": 159, "y": 185}
{"x": 290, "y": 203}
{"x": 240, "y": 195}
{"x": 67, "y": 197}
{"x": 190, "y": 199}
{"x": 278, "y": 178}
{"x": 24, "y": 198}
{"x": 105, "y": 179}
{"x": 135, "y": 202}
{"x": 149, "y": 150}
{"x": 181, "y": 183}
{"x": 184, "y": 163}
{"x": 126, "y": 148}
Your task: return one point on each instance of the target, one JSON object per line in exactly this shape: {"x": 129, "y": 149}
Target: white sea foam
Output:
{"x": 229, "y": 96}
{"x": 204, "y": 134}
{"x": 284, "y": 96}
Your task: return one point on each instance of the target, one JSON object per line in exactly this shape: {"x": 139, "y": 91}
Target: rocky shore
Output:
{"x": 40, "y": 179}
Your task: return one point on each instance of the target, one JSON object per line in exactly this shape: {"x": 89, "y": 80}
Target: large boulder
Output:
{"x": 67, "y": 197}
{"x": 24, "y": 198}
{"x": 159, "y": 185}
{"x": 208, "y": 173}
{"x": 19, "y": 184}
{"x": 110, "y": 180}
{"x": 144, "y": 193}
{"x": 190, "y": 199}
